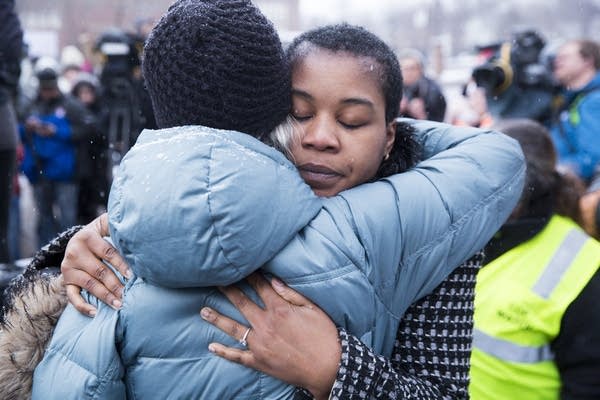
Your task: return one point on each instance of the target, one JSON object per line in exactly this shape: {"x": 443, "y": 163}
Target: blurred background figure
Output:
{"x": 537, "y": 323}
{"x": 53, "y": 124}
{"x": 93, "y": 160}
{"x": 474, "y": 111}
{"x": 576, "y": 126}
{"x": 71, "y": 63}
{"x": 11, "y": 51}
{"x": 129, "y": 109}
{"x": 423, "y": 97}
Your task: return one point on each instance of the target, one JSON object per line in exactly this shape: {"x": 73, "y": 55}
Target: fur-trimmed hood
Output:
{"x": 34, "y": 306}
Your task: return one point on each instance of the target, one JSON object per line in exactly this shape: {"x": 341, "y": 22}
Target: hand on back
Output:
{"x": 83, "y": 267}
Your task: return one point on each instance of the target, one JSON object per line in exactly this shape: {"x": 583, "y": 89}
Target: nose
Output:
{"x": 320, "y": 134}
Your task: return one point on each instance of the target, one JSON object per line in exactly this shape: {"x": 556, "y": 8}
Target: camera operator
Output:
{"x": 129, "y": 109}
{"x": 516, "y": 83}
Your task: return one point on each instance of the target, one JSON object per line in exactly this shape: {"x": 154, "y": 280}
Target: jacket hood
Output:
{"x": 220, "y": 201}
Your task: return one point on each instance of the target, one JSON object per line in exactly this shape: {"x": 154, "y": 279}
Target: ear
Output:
{"x": 390, "y": 137}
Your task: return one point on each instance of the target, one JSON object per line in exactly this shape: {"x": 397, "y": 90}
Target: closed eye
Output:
{"x": 351, "y": 126}
{"x": 302, "y": 118}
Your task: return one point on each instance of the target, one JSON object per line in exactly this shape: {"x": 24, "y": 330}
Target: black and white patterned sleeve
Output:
{"x": 365, "y": 375}
{"x": 431, "y": 356}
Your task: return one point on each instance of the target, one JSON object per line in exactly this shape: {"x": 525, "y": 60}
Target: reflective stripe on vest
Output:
{"x": 509, "y": 351}
{"x": 559, "y": 263}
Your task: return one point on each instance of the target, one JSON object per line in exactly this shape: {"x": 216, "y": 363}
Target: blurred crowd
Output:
{"x": 79, "y": 114}
{"x": 76, "y": 117}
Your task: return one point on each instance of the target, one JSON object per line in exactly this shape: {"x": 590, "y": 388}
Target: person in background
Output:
{"x": 53, "y": 125}
{"x": 11, "y": 49}
{"x": 71, "y": 61}
{"x": 423, "y": 97}
{"x": 14, "y": 218}
{"x": 576, "y": 125}
{"x": 537, "y": 323}
{"x": 474, "y": 110}
{"x": 92, "y": 161}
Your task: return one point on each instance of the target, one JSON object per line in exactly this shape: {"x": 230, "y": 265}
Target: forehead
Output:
{"x": 341, "y": 67}
{"x": 569, "y": 49}
{"x": 409, "y": 63}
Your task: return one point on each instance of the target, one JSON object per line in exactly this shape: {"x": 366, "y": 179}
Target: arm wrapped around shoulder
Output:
{"x": 193, "y": 206}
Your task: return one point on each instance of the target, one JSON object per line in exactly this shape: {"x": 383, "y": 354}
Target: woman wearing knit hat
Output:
{"x": 229, "y": 204}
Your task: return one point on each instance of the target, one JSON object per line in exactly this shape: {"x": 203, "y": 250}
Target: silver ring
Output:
{"x": 243, "y": 341}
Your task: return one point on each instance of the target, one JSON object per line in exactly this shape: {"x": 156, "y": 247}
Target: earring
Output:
{"x": 386, "y": 157}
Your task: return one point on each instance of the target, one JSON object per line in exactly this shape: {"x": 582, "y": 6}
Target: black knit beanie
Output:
{"x": 217, "y": 63}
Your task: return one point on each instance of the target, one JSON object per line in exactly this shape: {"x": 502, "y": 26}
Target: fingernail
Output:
{"x": 277, "y": 283}
{"x": 128, "y": 273}
{"x": 212, "y": 348}
{"x": 116, "y": 304}
{"x": 92, "y": 313}
{"x": 205, "y": 312}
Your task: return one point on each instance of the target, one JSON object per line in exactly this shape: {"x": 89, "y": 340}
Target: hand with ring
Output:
{"x": 291, "y": 339}
{"x": 243, "y": 341}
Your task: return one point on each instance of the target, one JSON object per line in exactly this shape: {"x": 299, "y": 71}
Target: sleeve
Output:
{"x": 217, "y": 205}
{"x": 365, "y": 375}
{"x": 64, "y": 127}
{"x": 577, "y": 347}
{"x": 52, "y": 254}
{"x": 432, "y": 366}
{"x": 435, "y": 216}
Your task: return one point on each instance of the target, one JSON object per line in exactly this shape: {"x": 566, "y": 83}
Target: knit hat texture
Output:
{"x": 217, "y": 63}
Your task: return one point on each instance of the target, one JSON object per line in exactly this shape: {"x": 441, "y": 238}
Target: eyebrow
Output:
{"x": 350, "y": 101}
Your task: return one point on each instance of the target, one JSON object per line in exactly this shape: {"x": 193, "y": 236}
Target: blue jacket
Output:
{"x": 193, "y": 207}
{"x": 54, "y": 157}
{"x": 576, "y": 134}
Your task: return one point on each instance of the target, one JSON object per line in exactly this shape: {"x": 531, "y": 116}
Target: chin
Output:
{"x": 325, "y": 193}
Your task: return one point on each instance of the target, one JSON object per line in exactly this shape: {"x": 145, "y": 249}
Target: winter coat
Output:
{"x": 194, "y": 207}
{"x": 55, "y": 158}
{"x": 576, "y": 133}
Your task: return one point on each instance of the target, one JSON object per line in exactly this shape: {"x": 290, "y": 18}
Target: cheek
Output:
{"x": 366, "y": 159}
{"x": 295, "y": 149}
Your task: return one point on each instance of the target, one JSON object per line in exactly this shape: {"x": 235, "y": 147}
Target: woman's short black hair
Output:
{"x": 359, "y": 42}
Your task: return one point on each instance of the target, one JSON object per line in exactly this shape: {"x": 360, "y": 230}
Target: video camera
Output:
{"x": 121, "y": 60}
{"x": 517, "y": 62}
{"x": 515, "y": 78}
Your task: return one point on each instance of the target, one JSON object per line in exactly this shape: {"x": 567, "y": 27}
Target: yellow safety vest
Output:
{"x": 520, "y": 299}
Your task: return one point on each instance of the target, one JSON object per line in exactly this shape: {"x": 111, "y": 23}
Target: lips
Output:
{"x": 319, "y": 177}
